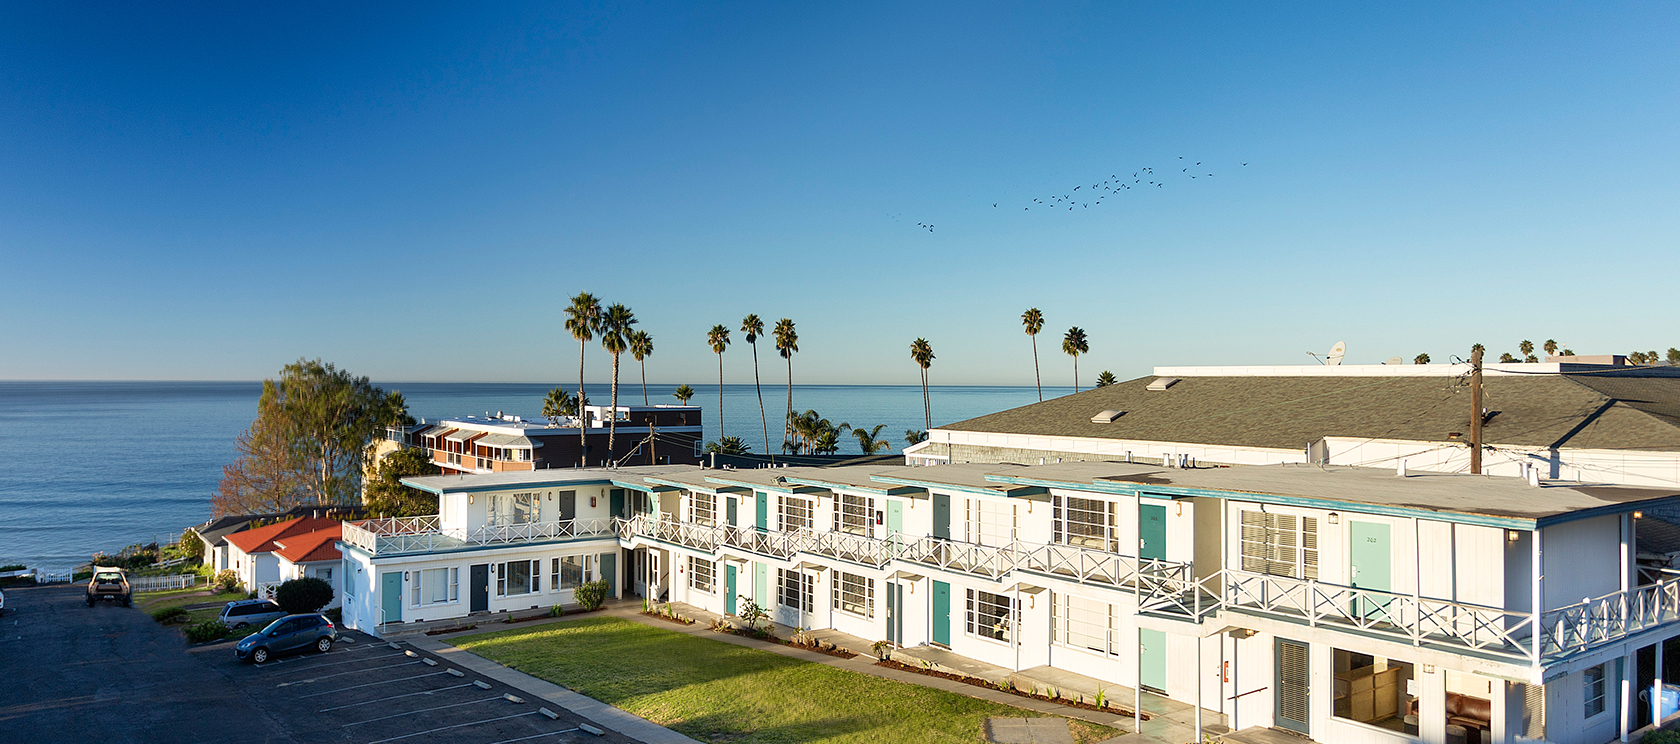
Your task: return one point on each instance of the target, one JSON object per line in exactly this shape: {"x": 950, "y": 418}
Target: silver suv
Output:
{"x": 248, "y": 612}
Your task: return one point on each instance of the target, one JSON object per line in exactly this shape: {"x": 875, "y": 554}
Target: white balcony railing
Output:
{"x": 425, "y": 534}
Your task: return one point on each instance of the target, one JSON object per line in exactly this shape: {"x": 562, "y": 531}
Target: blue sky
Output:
{"x": 412, "y": 191}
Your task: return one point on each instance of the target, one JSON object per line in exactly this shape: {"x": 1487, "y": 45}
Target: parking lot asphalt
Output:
{"x": 107, "y": 673}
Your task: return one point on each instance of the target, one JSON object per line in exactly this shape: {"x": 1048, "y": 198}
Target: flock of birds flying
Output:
{"x": 1085, "y": 196}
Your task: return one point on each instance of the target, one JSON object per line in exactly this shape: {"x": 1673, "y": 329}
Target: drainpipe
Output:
{"x": 1536, "y": 587}
{"x": 1199, "y": 674}
{"x": 1137, "y": 682}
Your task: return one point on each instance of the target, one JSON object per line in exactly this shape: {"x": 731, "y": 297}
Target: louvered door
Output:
{"x": 1292, "y": 686}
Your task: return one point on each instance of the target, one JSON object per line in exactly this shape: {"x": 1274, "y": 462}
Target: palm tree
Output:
{"x": 1034, "y": 322}
{"x": 921, "y": 352}
{"x": 557, "y": 404}
{"x": 683, "y": 393}
{"x": 1074, "y": 344}
{"x": 1551, "y": 347}
{"x": 615, "y": 338}
{"x": 1421, "y": 359}
{"x": 583, "y": 318}
{"x": 754, "y": 327}
{"x": 914, "y": 436}
{"x": 1105, "y": 379}
{"x": 868, "y": 439}
{"x": 787, "y": 343}
{"x": 1527, "y": 349}
{"x": 729, "y": 446}
{"x": 718, "y": 339}
{"x": 641, "y": 347}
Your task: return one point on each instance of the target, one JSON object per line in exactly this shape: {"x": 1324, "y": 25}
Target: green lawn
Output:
{"x": 719, "y": 692}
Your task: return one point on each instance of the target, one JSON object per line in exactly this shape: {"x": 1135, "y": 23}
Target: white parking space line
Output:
{"x": 537, "y": 736}
{"x": 340, "y": 674}
{"x": 423, "y": 710}
{"x": 341, "y": 663}
{"x": 456, "y": 726}
{"x": 370, "y": 684}
{"x": 393, "y": 697}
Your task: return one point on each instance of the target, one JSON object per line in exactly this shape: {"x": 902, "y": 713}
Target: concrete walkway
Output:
{"x": 1169, "y": 724}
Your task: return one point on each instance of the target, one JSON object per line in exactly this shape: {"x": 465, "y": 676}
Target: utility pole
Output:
{"x": 1476, "y": 410}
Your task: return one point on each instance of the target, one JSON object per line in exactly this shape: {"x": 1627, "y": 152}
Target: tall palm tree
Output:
{"x": 583, "y": 318}
{"x": 1033, "y": 320}
{"x": 754, "y": 327}
{"x": 921, "y": 352}
{"x": 718, "y": 339}
{"x": 787, "y": 343}
{"x": 641, "y": 347}
{"x": 615, "y": 338}
{"x": 683, "y": 393}
{"x": 1074, "y": 343}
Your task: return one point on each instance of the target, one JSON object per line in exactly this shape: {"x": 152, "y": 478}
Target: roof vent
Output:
{"x": 1107, "y": 417}
{"x": 1162, "y": 383}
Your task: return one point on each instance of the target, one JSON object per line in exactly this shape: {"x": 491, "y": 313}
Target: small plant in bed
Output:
{"x": 171, "y": 615}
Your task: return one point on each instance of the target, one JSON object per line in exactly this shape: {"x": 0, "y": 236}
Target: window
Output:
{"x": 1374, "y": 690}
{"x": 639, "y": 503}
{"x": 795, "y": 589}
{"x": 1594, "y": 690}
{"x": 435, "y": 586}
{"x": 324, "y": 573}
{"x": 990, "y": 522}
{"x": 702, "y": 508}
{"x": 1082, "y": 623}
{"x": 990, "y": 615}
{"x": 853, "y": 513}
{"x": 701, "y": 575}
{"x": 1280, "y": 544}
{"x": 512, "y": 508}
{"x": 796, "y": 513}
{"x": 854, "y": 594}
{"x": 1086, "y": 523}
{"x": 570, "y": 572}
{"x": 517, "y": 577}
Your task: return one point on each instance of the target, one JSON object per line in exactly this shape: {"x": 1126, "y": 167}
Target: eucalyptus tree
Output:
{"x": 787, "y": 344}
{"x": 1033, "y": 321}
{"x": 754, "y": 327}
{"x": 718, "y": 339}
{"x": 583, "y": 319}
{"x": 1074, "y": 343}
{"x": 615, "y": 338}
{"x": 921, "y": 352}
{"x": 683, "y": 393}
{"x": 641, "y": 347}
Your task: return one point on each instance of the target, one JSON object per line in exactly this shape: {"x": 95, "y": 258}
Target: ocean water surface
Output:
{"x": 95, "y": 466}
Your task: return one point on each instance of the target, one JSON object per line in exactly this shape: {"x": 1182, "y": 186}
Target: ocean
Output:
{"x": 96, "y": 466}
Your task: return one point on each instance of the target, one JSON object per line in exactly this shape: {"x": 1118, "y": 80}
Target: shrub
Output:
{"x": 12, "y": 567}
{"x": 227, "y": 580}
{"x": 590, "y": 595}
{"x": 307, "y": 594}
{"x": 752, "y": 613}
{"x": 881, "y": 649}
{"x": 168, "y": 615}
{"x": 720, "y": 625}
{"x": 209, "y": 630}
{"x": 1661, "y": 736}
{"x": 556, "y": 611}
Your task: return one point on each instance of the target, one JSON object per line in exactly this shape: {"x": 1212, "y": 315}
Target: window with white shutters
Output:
{"x": 991, "y": 522}
{"x": 1087, "y": 523}
{"x": 1280, "y": 544}
{"x": 702, "y": 508}
{"x": 1082, "y": 623}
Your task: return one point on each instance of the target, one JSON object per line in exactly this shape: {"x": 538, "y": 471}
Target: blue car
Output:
{"x": 288, "y": 634}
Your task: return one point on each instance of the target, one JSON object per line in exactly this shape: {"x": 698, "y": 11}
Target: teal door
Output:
{"x": 729, "y": 589}
{"x": 942, "y": 612}
{"x": 616, "y": 502}
{"x": 729, "y": 510}
{"x": 762, "y": 585}
{"x": 1369, "y": 558}
{"x": 1152, "y": 659}
{"x": 609, "y": 572}
{"x": 942, "y": 516}
{"x": 763, "y": 511}
{"x": 390, "y": 597}
{"x": 895, "y": 517}
{"x": 1152, "y": 532}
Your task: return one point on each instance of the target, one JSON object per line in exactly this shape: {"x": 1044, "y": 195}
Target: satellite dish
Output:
{"x": 1395, "y": 360}
{"x": 1336, "y": 354}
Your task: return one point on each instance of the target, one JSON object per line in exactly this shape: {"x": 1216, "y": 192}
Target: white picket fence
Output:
{"x": 162, "y": 583}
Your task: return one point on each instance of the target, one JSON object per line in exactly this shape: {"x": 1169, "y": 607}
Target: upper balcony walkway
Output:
{"x": 1164, "y": 589}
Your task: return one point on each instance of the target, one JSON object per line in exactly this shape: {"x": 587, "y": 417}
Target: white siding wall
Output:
{"x": 1582, "y": 560}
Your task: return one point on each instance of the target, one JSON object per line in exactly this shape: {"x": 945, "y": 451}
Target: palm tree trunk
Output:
{"x": 787, "y": 429}
{"x": 612, "y": 418}
{"x": 927, "y": 406}
{"x": 720, "y": 398}
{"x": 583, "y": 419}
{"x": 644, "y": 382}
{"x": 1037, "y": 380}
{"x": 763, "y": 419}
{"x": 1076, "y": 373}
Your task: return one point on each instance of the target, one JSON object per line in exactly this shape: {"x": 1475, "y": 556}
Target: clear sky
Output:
{"x": 412, "y": 191}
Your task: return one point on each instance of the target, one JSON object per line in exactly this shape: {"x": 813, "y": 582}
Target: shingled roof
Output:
{"x": 1623, "y": 409}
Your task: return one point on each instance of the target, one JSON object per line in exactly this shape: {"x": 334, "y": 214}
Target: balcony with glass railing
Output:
{"x": 408, "y": 535}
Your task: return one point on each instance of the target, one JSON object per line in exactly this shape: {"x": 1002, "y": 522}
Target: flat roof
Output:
{"x": 1459, "y": 497}
{"x": 541, "y": 478}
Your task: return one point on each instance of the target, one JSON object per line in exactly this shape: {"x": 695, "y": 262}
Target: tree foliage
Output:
{"x": 310, "y": 441}
{"x": 1105, "y": 379}
{"x": 869, "y": 440}
{"x": 729, "y": 446}
{"x": 388, "y": 497}
{"x": 307, "y": 594}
